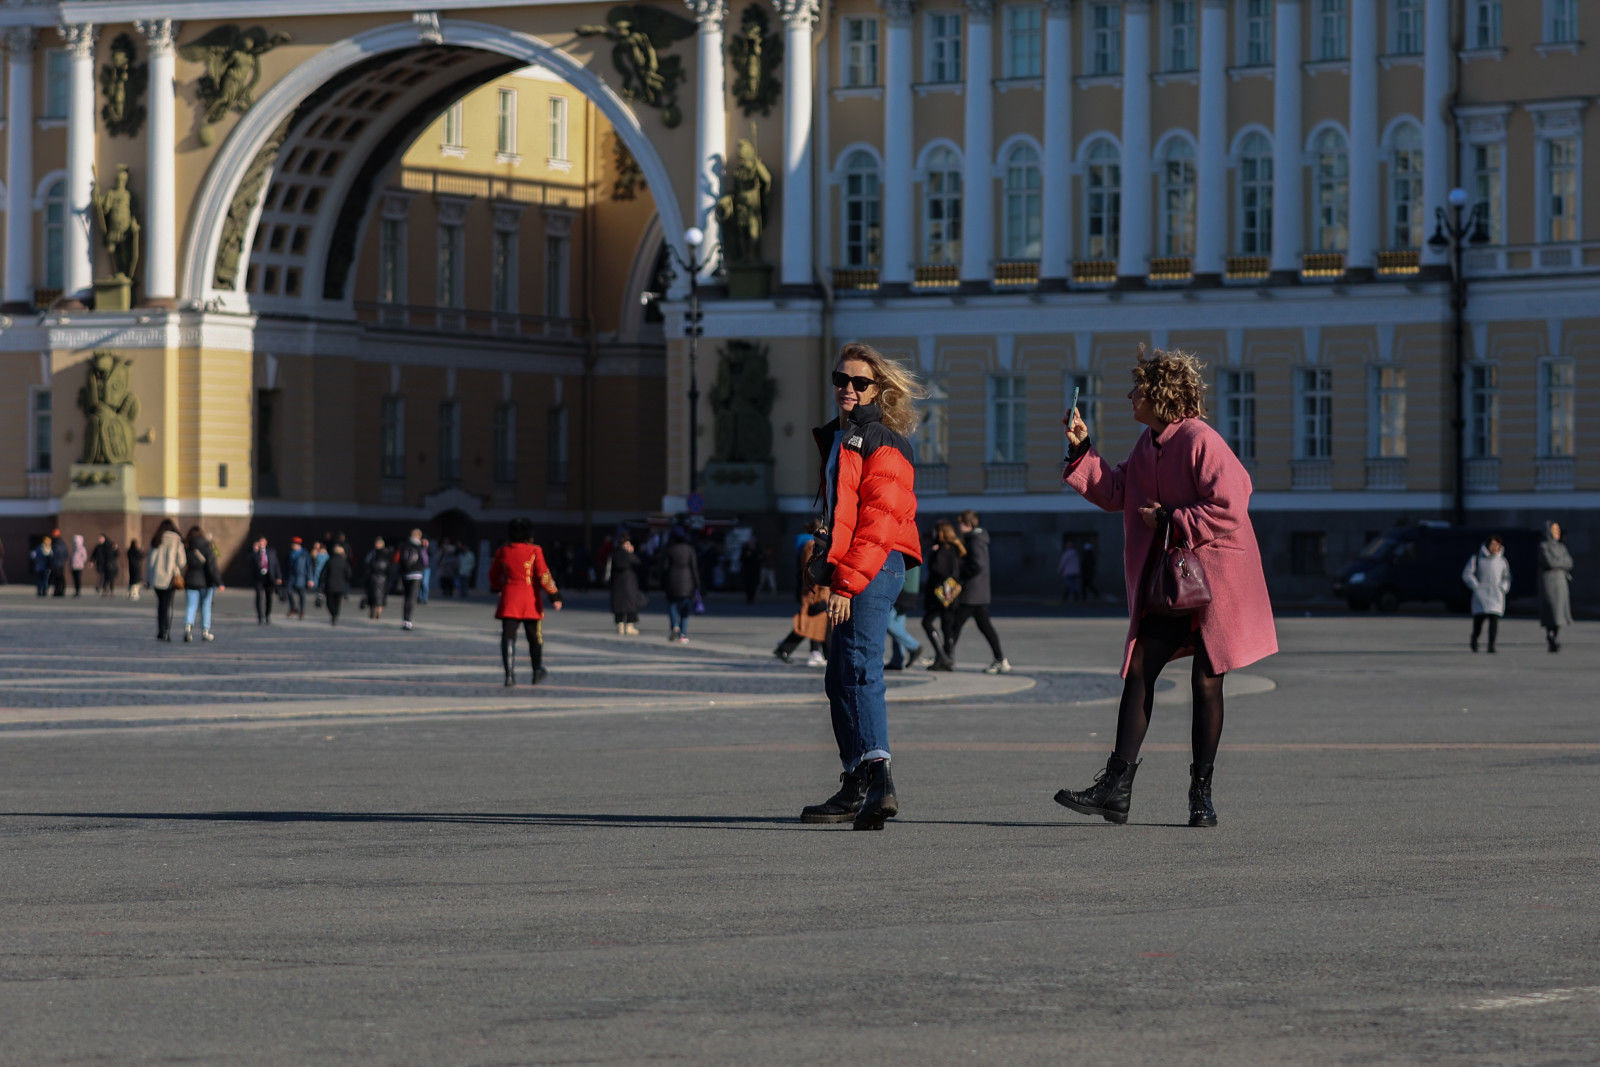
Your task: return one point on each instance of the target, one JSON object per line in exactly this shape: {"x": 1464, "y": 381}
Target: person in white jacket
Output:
{"x": 1488, "y": 575}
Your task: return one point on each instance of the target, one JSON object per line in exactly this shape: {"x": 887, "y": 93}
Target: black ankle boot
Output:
{"x": 511, "y": 677}
{"x": 844, "y": 804}
{"x": 1201, "y": 813}
{"x": 880, "y": 803}
{"x": 1110, "y": 795}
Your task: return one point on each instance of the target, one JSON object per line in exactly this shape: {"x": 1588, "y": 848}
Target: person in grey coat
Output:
{"x": 976, "y": 594}
{"x": 1555, "y": 581}
{"x": 1488, "y": 575}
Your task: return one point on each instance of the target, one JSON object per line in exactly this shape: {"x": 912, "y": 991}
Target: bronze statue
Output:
{"x": 742, "y": 208}
{"x": 637, "y": 33}
{"x": 123, "y": 82}
{"x": 756, "y": 54}
{"x": 108, "y": 401}
{"x": 233, "y": 69}
{"x": 235, "y": 225}
{"x": 742, "y": 399}
{"x": 629, "y": 176}
{"x": 118, "y": 216}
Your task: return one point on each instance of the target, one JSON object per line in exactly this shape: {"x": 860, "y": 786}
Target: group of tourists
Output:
{"x": 54, "y": 561}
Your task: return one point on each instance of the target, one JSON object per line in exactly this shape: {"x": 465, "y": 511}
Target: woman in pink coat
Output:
{"x": 1182, "y": 474}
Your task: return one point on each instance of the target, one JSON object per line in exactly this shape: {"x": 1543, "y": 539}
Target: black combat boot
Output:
{"x": 1109, "y": 796}
{"x": 508, "y": 653}
{"x": 880, "y": 803}
{"x": 843, "y": 805}
{"x": 1201, "y": 813}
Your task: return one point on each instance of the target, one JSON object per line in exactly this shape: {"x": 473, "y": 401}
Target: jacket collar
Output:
{"x": 859, "y": 415}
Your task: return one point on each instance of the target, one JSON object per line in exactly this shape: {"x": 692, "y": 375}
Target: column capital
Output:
{"x": 19, "y": 40}
{"x": 979, "y": 10}
{"x": 900, "y": 12}
{"x": 161, "y": 33}
{"x": 709, "y": 14}
{"x": 79, "y": 38}
{"x": 794, "y": 12}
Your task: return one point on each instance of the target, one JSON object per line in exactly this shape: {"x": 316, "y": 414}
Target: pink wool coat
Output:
{"x": 1190, "y": 470}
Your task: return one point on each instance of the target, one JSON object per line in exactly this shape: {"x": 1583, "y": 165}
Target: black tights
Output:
{"x": 1158, "y": 639}
{"x": 1477, "y": 628}
{"x": 508, "y": 642}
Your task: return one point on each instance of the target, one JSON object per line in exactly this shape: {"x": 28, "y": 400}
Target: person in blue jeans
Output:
{"x": 905, "y": 650}
{"x": 871, "y": 534}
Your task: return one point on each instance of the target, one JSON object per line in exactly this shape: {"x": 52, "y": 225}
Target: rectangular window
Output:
{"x": 55, "y": 236}
{"x": 1024, "y": 42}
{"x": 1089, "y": 401}
{"x": 1008, "y": 418}
{"x": 860, "y": 53}
{"x": 1485, "y": 30}
{"x": 1255, "y": 203}
{"x": 1483, "y": 411}
{"x": 452, "y": 126}
{"x": 942, "y": 212}
{"x": 556, "y": 447}
{"x": 1405, "y": 196}
{"x": 944, "y": 47}
{"x": 1561, "y": 189}
{"x": 1104, "y": 39}
{"x": 1487, "y": 187}
{"x": 555, "y": 277}
{"x": 505, "y": 443}
{"x": 558, "y": 127}
{"x": 1386, "y": 417}
{"x": 1331, "y": 37}
{"x": 506, "y": 123}
{"x": 449, "y": 441}
{"x": 452, "y": 252}
{"x": 57, "y": 84}
{"x": 392, "y": 261}
{"x": 1561, "y": 23}
{"x": 1557, "y": 409}
{"x": 41, "y": 427}
{"x": 504, "y": 297}
{"x": 931, "y": 440}
{"x": 1406, "y": 29}
{"x": 1238, "y": 422}
{"x": 392, "y": 423}
{"x": 1314, "y": 427}
{"x": 1180, "y": 35}
{"x": 1255, "y": 34}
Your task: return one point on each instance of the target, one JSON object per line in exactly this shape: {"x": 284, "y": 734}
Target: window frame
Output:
{"x": 449, "y": 445}
{"x": 1487, "y": 25}
{"x": 1561, "y": 22}
{"x": 1251, "y": 19}
{"x": 504, "y": 287}
{"x": 1109, "y": 193}
{"x": 1405, "y": 163}
{"x": 931, "y": 438}
{"x": 1178, "y": 241}
{"x": 943, "y": 55}
{"x": 1032, "y": 58}
{"x": 392, "y": 261}
{"x": 392, "y": 436}
{"x": 1102, "y": 41}
{"x": 1244, "y": 184}
{"x": 450, "y": 287}
{"x": 1091, "y": 398}
{"x": 859, "y": 66}
{"x": 1405, "y": 27}
{"x": 1546, "y": 195}
{"x": 861, "y": 211}
{"x": 1333, "y": 30}
{"x": 1022, "y": 203}
{"x": 452, "y": 135}
{"x": 505, "y": 123}
{"x": 559, "y": 145}
{"x": 1313, "y": 429}
{"x": 1481, "y": 398}
{"x": 1330, "y": 208}
{"x": 557, "y": 264}
{"x": 933, "y": 175}
{"x": 558, "y": 443}
{"x": 1549, "y": 426}
{"x": 1179, "y": 40}
{"x": 505, "y": 442}
{"x": 1011, "y": 409}
{"x": 53, "y": 236}
{"x": 41, "y": 427}
{"x": 57, "y": 85}
{"x": 1236, "y": 389}
{"x": 1386, "y": 411}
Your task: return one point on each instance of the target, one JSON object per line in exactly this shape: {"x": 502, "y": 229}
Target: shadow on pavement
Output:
{"x": 536, "y": 818}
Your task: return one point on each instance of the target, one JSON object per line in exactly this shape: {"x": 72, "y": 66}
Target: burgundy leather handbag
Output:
{"x": 1174, "y": 582}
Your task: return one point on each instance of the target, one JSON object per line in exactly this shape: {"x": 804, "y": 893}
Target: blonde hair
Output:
{"x": 1173, "y": 382}
{"x": 898, "y": 388}
{"x": 944, "y": 533}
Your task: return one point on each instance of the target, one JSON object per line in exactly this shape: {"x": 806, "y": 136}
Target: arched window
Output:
{"x": 55, "y": 235}
{"x": 1177, "y": 198}
{"x": 863, "y": 210}
{"x": 1024, "y": 227}
{"x": 1331, "y": 189}
{"x": 1255, "y": 196}
{"x": 941, "y": 208}
{"x": 1102, "y": 201}
{"x": 1405, "y": 188}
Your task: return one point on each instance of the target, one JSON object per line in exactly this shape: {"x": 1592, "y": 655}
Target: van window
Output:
{"x": 1377, "y": 548}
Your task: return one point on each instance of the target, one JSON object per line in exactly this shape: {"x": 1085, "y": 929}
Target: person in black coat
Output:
{"x": 107, "y": 560}
{"x": 975, "y": 594}
{"x": 201, "y": 579}
{"x": 266, "y": 574}
{"x": 59, "y": 557}
{"x": 627, "y": 600}
{"x": 334, "y": 581}
{"x": 680, "y": 580}
{"x": 135, "y": 567}
{"x": 377, "y": 565}
{"x": 943, "y": 563}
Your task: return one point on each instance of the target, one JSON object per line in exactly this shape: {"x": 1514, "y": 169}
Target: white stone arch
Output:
{"x": 1086, "y": 145}
{"x": 1011, "y": 144}
{"x": 278, "y": 103}
{"x": 42, "y": 190}
{"x": 1164, "y": 143}
{"x": 1310, "y": 147}
{"x": 1236, "y": 149}
{"x": 1391, "y": 131}
{"x": 921, "y": 172}
{"x": 837, "y": 173}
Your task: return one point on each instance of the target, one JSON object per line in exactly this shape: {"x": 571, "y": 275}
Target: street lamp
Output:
{"x": 1451, "y": 231}
{"x": 693, "y": 237}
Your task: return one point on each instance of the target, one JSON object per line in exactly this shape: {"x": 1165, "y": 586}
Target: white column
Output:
{"x": 898, "y": 197}
{"x": 19, "y": 168}
{"x": 161, "y": 212}
{"x": 796, "y": 192}
{"x": 977, "y": 160}
{"x": 1437, "y": 67}
{"x": 711, "y": 123}
{"x": 1362, "y": 255}
{"x": 1133, "y": 241}
{"x": 1288, "y": 221}
{"x": 1055, "y": 253}
{"x": 1211, "y": 173}
{"x": 77, "y": 265}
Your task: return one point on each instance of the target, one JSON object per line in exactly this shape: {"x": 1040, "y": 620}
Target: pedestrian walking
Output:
{"x": 106, "y": 560}
{"x": 680, "y": 581}
{"x": 905, "y": 650}
{"x": 135, "y": 567}
{"x": 297, "y": 578}
{"x": 319, "y": 560}
{"x": 377, "y": 577}
{"x": 60, "y": 557}
{"x": 427, "y": 571}
{"x": 77, "y": 561}
{"x": 164, "y": 569}
{"x": 333, "y": 582}
{"x": 810, "y": 622}
{"x": 1555, "y": 585}
{"x": 266, "y": 574}
{"x": 627, "y": 599}
{"x": 449, "y": 559}
{"x": 412, "y": 559}
{"x": 519, "y": 574}
{"x": 942, "y": 591}
{"x": 976, "y": 594}
{"x": 1488, "y": 575}
{"x": 869, "y": 485}
{"x": 202, "y": 577}
{"x": 1070, "y": 568}
{"x": 41, "y": 557}
{"x": 1180, "y": 483}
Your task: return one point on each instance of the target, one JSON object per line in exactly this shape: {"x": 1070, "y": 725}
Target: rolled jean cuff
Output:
{"x": 877, "y": 753}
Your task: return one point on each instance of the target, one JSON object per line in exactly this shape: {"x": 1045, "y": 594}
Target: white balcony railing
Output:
{"x": 1483, "y": 475}
{"x": 932, "y": 478}
{"x": 1311, "y": 474}
{"x": 38, "y": 485}
{"x": 1005, "y": 477}
{"x": 1554, "y": 472}
{"x": 1489, "y": 261}
{"x": 1386, "y": 472}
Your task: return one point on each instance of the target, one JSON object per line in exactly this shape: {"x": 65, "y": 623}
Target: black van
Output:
{"x": 1424, "y": 560}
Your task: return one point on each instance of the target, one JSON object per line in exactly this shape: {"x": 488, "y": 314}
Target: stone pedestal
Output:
{"x": 750, "y": 283}
{"x": 102, "y": 498}
{"x": 741, "y": 487}
{"x": 113, "y": 294}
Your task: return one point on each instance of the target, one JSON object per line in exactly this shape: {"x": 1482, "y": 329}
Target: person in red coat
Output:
{"x": 519, "y": 575}
{"x": 1180, "y": 477}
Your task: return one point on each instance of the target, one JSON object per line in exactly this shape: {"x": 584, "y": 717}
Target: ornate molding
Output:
{"x": 558, "y": 221}
{"x": 427, "y": 23}
{"x": 797, "y": 11}
{"x": 979, "y": 10}
{"x": 397, "y": 203}
{"x": 19, "y": 41}
{"x": 508, "y": 215}
{"x": 452, "y": 209}
{"x": 900, "y": 12}
{"x": 1558, "y": 118}
{"x": 162, "y": 34}
{"x": 1480, "y": 124}
{"x": 710, "y": 14}
{"x": 1058, "y": 7}
{"x": 79, "y": 38}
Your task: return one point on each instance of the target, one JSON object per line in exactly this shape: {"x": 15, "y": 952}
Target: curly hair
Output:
{"x": 899, "y": 387}
{"x": 1174, "y": 383}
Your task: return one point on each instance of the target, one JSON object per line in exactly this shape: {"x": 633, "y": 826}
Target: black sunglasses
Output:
{"x": 841, "y": 379}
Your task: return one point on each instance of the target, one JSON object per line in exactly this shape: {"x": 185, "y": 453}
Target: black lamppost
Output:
{"x": 694, "y": 237}
{"x": 1452, "y": 231}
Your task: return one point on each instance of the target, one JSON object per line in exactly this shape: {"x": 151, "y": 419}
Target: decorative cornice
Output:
{"x": 452, "y": 209}
{"x": 1558, "y": 117}
{"x": 1482, "y": 123}
{"x": 709, "y": 14}
{"x": 79, "y": 37}
{"x": 979, "y": 10}
{"x": 508, "y": 215}
{"x": 427, "y": 23}
{"x": 162, "y": 34}
{"x": 900, "y": 12}
{"x": 397, "y": 203}
{"x": 558, "y": 221}
{"x": 19, "y": 42}
{"x": 1058, "y": 7}
{"x": 794, "y": 11}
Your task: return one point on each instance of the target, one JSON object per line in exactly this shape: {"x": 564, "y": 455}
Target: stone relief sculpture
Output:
{"x": 742, "y": 208}
{"x": 230, "y": 247}
{"x": 742, "y": 399}
{"x": 118, "y": 215}
{"x": 628, "y": 175}
{"x": 756, "y": 54}
{"x": 233, "y": 68}
{"x": 638, "y": 33}
{"x": 123, "y": 81}
{"x": 110, "y": 407}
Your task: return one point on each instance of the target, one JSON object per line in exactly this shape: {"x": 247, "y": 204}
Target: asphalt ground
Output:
{"x": 303, "y": 844}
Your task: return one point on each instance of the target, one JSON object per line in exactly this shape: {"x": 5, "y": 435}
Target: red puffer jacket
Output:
{"x": 874, "y": 499}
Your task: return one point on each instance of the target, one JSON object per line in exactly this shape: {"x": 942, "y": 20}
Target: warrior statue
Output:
{"x": 108, "y": 401}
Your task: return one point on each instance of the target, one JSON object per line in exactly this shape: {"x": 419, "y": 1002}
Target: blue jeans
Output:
{"x": 854, "y": 681}
{"x": 198, "y": 599}
{"x": 678, "y": 612}
{"x": 904, "y": 643}
{"x": 427, "y": 580}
